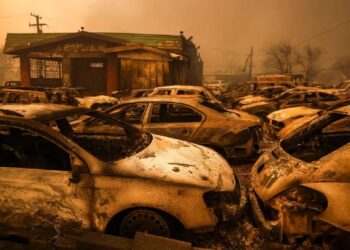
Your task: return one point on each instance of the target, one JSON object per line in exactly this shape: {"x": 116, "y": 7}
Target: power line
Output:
{"x": 12, "y": 16}
{"x": 323, "y": 32}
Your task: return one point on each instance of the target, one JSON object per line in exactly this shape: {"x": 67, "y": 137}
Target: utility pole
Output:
{"x": 38, "y": 25}
{"x": 250, "y": 61}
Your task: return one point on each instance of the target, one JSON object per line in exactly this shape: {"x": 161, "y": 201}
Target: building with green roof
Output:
{"x": 105, "y": 62}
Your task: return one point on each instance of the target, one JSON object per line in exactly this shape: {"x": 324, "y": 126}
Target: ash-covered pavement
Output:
{"x": 241, "y": 234}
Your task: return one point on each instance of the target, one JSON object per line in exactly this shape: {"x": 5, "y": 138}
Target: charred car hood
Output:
{"x": 255, "y": 104}
{"x": 291, "y": 113}
{"x": 88, "y": 101}
{"x": 294, "y": 125}
{"x": 178, "y": 162}
{"x": 252, "y": 99}
{"x": 245, "y": 116}
{"x": 276, "y": 171}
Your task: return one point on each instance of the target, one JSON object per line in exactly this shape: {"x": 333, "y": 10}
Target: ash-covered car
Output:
{"x": 115, "y": 180}
{"x": 233, "y": 134}
{"x": 300, "y": 96}
{"x": 301, "y": 187}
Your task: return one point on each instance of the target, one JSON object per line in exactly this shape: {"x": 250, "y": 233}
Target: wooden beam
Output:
{"x": 66, "y": 71}
{"x": 112, "y": 74}
{"x": 121, "y": 49}
{"x": 25, "y": 70}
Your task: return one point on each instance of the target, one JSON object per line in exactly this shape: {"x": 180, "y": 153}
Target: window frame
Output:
{"x": 159, "y": 103}
{"x": 47, "y": 136}
{"x": 286, "y": 101}
{"x": 40, "y": 68}
{"x": 328, "y": 94}
{"x": 125, "y": 106}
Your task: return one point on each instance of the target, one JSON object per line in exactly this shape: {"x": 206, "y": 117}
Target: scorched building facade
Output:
{"x": 105, "y": 62}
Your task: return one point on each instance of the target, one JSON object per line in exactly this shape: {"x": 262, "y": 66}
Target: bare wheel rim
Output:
{"x": 143, "y": 220}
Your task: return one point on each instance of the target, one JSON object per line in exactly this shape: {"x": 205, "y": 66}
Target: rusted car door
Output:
{"x": 37, "y": 185}
{"x": 174, "y": 120}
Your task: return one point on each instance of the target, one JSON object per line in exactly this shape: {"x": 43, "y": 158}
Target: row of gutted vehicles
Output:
{"x": 300, "y": 184}
{"x": 119, "y": 172}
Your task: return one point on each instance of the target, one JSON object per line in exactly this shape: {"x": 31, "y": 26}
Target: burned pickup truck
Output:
{"x": 233, "y": 134}
{"x": 116, "y": 180}
{"x": 301, "y": 187}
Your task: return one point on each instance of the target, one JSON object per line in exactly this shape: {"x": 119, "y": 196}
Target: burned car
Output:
{"x": 250, "y": 87}
{"x": 300, "y": 96}
{"x": 76, "y": 97}
{"x": 282, "y": 118}
{"x": 185, "y": 91}
{"x": 283, "y": 122}
{"x": 60, "y": 95}
{"x": 260, "y": 95}
{"x": 115, "y": 180}
{"x": 301, "y": 187}
{"x": 21, "y": 96}
{"x": 231, "y": 134}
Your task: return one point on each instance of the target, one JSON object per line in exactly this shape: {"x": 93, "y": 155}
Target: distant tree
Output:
{"x": 284, "y": 58}
{"x": 279, "y": 57}
{"x": 308, "y": 59}
{"x": 343, "y": 65}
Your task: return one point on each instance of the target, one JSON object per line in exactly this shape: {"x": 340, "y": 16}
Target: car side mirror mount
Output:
{"x": 75, "y": 178}
{"x": 77, "y": 166}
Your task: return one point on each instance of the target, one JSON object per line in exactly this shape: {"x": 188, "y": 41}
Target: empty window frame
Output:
{"x": 132, "y": 113}
{"x": 173, "y": 113}
{"x": 45, "y": 68}
{"x": 327, "y": 97}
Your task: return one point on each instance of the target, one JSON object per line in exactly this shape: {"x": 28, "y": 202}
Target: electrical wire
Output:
{"x": 323, "y": 32}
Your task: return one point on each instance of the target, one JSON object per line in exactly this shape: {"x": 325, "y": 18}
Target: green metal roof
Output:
{"x": 159, "y": 41}
{"x": 169, "y": 42}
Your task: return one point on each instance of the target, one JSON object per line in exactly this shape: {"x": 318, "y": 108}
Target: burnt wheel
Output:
{"x": 144, "y": 220}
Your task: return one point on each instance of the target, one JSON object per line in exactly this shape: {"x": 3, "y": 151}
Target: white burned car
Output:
{"x": 116, "y": 181}
{"x": 302, "y": 186}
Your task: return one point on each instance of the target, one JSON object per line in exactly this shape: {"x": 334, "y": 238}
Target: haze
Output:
{"x": 224, "y": 29}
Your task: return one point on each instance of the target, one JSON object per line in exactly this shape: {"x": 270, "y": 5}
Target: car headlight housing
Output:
{"x": 300, "y": 199}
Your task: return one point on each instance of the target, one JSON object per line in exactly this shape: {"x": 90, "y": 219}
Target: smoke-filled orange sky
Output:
{"x": 224, "y": 29}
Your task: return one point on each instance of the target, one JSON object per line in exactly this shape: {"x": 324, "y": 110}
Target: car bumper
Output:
{"x": 232, "y": 210}
{"x": 250, "y": 148}
{"x": 270, "y": 228}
